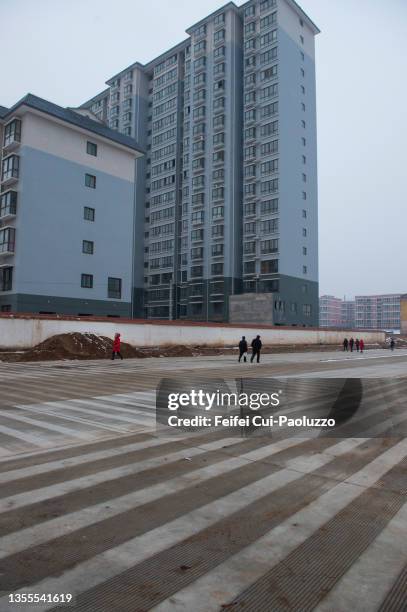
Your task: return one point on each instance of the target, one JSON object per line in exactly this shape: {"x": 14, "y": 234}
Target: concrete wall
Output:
{"x": 22, "y": 332}
{"x": 251, "y": 308}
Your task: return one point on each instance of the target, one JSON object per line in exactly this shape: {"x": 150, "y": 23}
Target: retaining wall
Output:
{"x": 23, "y": 331}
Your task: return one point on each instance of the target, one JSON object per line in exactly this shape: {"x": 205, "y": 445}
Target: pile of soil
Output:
{"x": 74, "y": 346}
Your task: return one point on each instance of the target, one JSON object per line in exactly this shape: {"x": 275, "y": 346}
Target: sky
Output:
{"x": 65, "y": 50}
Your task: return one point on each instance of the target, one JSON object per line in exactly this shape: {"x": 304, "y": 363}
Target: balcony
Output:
{"x": 7, "y": 241}
{"x": 10, "y": 170}
{"x": 8, "y": 205}
{"x": 12, "y": 136}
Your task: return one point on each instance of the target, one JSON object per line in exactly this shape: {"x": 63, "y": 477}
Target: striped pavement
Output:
{"x": 95, "y": 503}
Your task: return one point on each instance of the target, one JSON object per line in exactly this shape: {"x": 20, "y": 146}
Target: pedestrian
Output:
{"x": 116, "y": 347}
{"x": 351, "y": 343}
{"x": 392, "y": 344}
{"x": 357, "y": 343}
{"x": 243, "y": 349}
{"x": 345, "y": 344}
{"x": 256, "y": 348}
{"x": 361, "y": 345}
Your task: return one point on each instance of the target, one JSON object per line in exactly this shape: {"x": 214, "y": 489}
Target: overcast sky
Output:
{"x": 64, "y": 50}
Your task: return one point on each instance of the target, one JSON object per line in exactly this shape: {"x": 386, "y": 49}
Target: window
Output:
{"x": 219, "y": 68}
{"x": 219, "y": 86}
{"x": 90, "y": 181}
{"x": 267, "y": 4}
{"x": 200, "y": 46}
{"x": 6, "y": 279}
{"x": 5, "y": 307}
{"x": 250, "y": 228}
{"x": 302, "y": 89}
{"x": 87, "y": 281}
{"x": 250, "y": 247}
{"x": 250, "y": 11}
{"x": 250, "y": 44}
{"x": 197, "y": 217}
{"x": 302, "y": 39}
{"x": 114, "y": 288}
{"x": 268, "y": 56}
{"x": 250, "y": 61}
{"x": 250, "y": 115}
{"x": 218, "y": 193}
{"x": 269, "y": 186}
{"x": 250, "y": 28}
{"x": 219, "y": 138}
{"x": 270, "y": 226}
{"x": 217, "y": 250}
{"x": 250, "y": 170}
{"x": 8, "y": 203}
{"x": 218, "y": 156}
{"x": 268, "y": 38}
{"x": 304, "y": 142}
{"x": 304, "y": 195}
{"x": 269, "y": 148}
{"x": 91, "y": 148}
{"x": 219, "y": 103}
{"x": 217, "y": 269}
{"x": 197, "y": 234}
{"x": 304, "y": 159}
{"x": 250, "y": 97}
{"x": 269, "y": 206}
{"x": 304, "y": 250}
{"x": 250, "y": 189}
{"x": 269, "y": 167}
{"x": 304, "y": 232}
{"x": 219, "y": 52}
{"x": 304, "y": 178}
{"x": 304, "y": 214}
{"x": 250, "y": 152}
{"x": 217, "y": 212}
{"x": 269, "y": 110}
{"x": 269, "y": 128}
{"x": 250, "y": 208}
{"x": 197, "y": 253}
{"x": 269, "y": 246}
{"x": 249, "y": 267}
{"x": 250, "y": 133}
{"x": 270, "y": 266}
{"x": 196, "y": 271}
{"x": 88, "y": 213}
{"x": 219, "y": 36}
{"x": 88, "y": 247}
{"x": 12, "y": 132}
{"x": 219, "y": 121}
{"x": 199, "y": 63}
{"x": 7, "y": 240}
{"x": 250, "y": 79}
{"x": 10, "y": 167}
{"x": 269, "y": 73}
{"x": 306, "y": 309}
{"x": 268, "y": 21}
{"x": 217, "y": 231}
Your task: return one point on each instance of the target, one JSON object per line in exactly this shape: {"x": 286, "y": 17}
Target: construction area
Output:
{"x": 97, "y": 504}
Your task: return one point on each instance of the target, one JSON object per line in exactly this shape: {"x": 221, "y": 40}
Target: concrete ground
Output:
{"x": 95, "y": 503}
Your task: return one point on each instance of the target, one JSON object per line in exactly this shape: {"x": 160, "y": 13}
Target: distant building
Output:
{"x": 348, "y": 313}
{"x": 67, "y": 212}
{"x": 378, "y": 311}
{"x": 330, "y": 311}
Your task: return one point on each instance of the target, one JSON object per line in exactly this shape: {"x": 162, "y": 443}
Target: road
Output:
{"x": 95, "y": 503}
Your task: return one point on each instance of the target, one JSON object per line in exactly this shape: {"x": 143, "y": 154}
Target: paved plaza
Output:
{"x": 96, "y": 503}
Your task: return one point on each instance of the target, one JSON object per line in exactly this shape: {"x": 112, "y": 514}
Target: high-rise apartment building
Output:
{"x": 227, "y": 193}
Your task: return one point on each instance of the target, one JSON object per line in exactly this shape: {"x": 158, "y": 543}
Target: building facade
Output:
{"x": 227, "y": 192}
{"x": 67, "y": 211}
{"x": 330, "y": 311}
{"x": 378, "y": 311}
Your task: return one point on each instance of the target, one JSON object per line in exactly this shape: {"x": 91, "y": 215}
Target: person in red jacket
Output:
{"x": 361, "y": 345}
{"x": 116, "y": 346}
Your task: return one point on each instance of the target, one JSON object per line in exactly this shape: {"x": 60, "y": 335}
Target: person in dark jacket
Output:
{"x": 116, "y": 347}
{"x": 357, "y": 344}
{"x": 361, "y": 345}
{"x": 256, "y": 348}
{"x": 345, "y": 344}
{"x": 392, "y": 344}
{"x": 243, "y": 349}
{"x": 351, "y": 343}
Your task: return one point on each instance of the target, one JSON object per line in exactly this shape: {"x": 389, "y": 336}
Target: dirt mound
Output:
{"x": 76, "y": 346}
